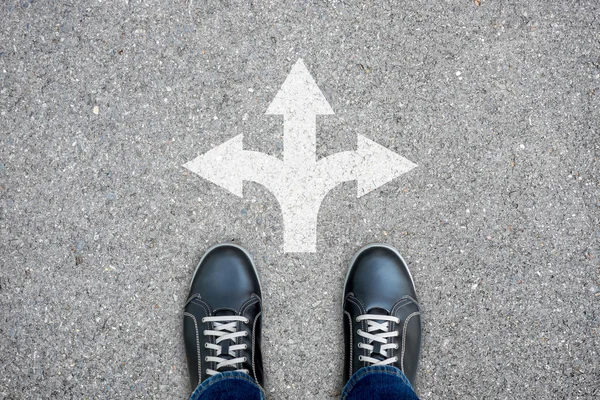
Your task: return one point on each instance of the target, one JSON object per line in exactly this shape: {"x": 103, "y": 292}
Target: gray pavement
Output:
{"x": 101, "y": 102}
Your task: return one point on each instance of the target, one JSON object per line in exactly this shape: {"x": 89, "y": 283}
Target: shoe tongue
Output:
{"x": 378, "y": 311}
{"x": 224, "y": 313}
{"x": 376, "y": 345}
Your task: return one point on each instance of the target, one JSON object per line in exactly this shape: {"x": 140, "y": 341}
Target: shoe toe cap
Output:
{"x": 225, "y": 278}
{"x": 379, "y": 278}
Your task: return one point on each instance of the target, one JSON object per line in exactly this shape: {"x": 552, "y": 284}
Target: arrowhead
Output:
{"x": 219, "y": 165}
{"x": 378, "y": 165}
{"x": 299, "y": 94}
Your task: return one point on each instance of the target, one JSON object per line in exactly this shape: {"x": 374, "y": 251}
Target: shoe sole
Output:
{"x": 370, "y": 246}
{"x": 216, "y": 246}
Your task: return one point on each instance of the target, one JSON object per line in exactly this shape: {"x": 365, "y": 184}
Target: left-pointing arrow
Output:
{"x": 229, "y": 165}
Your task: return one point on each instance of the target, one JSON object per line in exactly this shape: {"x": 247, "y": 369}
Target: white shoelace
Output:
{"x": 225, "y": 328}
{"x": 378, "y": 339}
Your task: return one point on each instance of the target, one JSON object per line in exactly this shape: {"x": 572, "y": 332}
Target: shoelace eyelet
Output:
{"x": 380, "y": 330}
{"x": 225, "y": 329}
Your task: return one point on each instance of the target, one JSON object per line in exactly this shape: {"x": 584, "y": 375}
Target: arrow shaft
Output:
{"x": 299, "y": 141}
{"x": 300, "y": 223}
{"x": 338, "y": 168}
{"x": 260, "y": 168}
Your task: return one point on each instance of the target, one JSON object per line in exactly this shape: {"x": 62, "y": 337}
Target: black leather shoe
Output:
{"x": 382, "y": 321}
{"x": 222, "y": 317}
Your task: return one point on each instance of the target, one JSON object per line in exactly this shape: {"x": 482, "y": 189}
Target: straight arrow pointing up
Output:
{"x": 299, "y": 100}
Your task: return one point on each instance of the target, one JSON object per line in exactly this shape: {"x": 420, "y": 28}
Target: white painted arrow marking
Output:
{"x": 299, "y": 182}
{"x": 299, "y": 101}
{"x": 229, "y": 165}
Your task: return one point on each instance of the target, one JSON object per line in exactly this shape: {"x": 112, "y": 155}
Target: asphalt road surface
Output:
{"x": 102, "y": 102}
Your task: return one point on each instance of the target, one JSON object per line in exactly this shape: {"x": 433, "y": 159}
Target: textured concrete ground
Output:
{"x": 101, "y": 102}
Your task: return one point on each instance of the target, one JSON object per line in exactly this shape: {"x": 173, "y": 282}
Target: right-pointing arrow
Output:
{"x": 371, "y": 165}
{"x": 377, "y": 165}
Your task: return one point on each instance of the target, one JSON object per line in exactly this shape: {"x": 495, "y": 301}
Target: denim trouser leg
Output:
{"x": 375, "y": 383}
{"x": 378, "y": 383}
{"x": 234, "y": 385}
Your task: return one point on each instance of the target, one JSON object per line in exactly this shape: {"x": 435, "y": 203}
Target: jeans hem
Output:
{"x": 233, "y": 375}
{"x": 373, "y": 369}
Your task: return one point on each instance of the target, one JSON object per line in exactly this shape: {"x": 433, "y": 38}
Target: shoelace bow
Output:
{"x": 225, "y": 330}
{"x": 378, "y": 342}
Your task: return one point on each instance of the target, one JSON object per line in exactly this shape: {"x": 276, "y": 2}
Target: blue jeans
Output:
{"x": 375, "y": 383}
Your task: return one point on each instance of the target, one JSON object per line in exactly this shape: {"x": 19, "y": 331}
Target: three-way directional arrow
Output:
{"x": 299, "y": 182}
